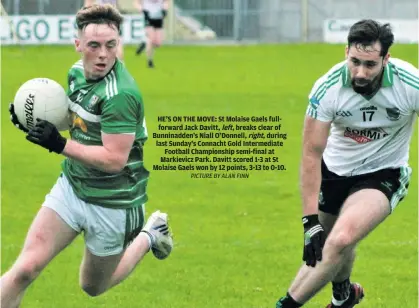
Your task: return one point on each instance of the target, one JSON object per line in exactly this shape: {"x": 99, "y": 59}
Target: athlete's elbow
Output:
{"x": 114, "y": 168}
{"x": 312, "y": 153}
{"x": 116, "y": 165}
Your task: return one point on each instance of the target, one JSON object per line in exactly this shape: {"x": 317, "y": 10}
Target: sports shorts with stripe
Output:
{"x": 335, "y": 189}
{"x": 107, "y": 231}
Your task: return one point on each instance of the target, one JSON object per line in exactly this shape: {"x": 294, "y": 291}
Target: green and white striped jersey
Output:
{"x": 367, "y": 134}
{"x": 112, "y": 105}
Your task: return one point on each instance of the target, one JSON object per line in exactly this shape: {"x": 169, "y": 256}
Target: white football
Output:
{"x": 42, "y": 98}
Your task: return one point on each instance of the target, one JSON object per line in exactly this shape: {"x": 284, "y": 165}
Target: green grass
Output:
{"x": 238, "y": 241}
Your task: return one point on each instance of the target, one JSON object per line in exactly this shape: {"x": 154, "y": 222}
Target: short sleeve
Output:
{"x": 414, "y": 96}
{"x": 320, "y": 102}
{"x": 411, "y": 82}
{"x": 120, "y": 114}
{"x": 408, "y": 75}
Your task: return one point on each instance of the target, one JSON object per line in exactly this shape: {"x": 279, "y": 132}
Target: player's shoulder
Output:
{"x": 77, "y": 66}
{"x": 403, "y": 66}
{"x": 330, "y": 81}
{"x": 119, "y": 83}
{"x": 404, "y": 70}
{"x": 333, "y": 74}
{"x": 125, "y": 80}
{"x": 406, "y": 74}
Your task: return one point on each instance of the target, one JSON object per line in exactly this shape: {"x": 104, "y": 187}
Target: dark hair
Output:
{"x": 99, "y": 14}
{"x": 367, "y": 32}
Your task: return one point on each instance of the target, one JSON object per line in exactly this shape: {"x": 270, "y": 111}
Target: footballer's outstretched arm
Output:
{"x": 314, "y": 142}
{"x": 119, "y": 118}
{"x": 165, "y": 5}
{"x": 111, "y": 157}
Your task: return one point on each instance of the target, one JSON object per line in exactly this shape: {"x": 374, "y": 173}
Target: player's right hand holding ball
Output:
{"x": 43, "y": 133}
{"x": 15, "y": 121}
{"x": 314, "y": 238}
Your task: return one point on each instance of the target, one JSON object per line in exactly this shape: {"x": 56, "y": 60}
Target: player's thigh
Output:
{"x": 371, "y": 199}
{"x": 392, "y": 183}
{"x": 327, "y": 221}
{"x": 50, "y": 232}
{"x": 159, "y": 36}
{"x": 149, "y": 31}
{"x": 362, "y": 212}
{"x": 107, "y": 234}
{"x": 47, "y": 236}
{"x": 334, "y": 189}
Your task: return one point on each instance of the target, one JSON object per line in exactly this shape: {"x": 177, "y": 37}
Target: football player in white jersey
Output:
{"x": 120, "y": 48}
{"x": 154, "y": 12}
{"x": 354, "y": 168}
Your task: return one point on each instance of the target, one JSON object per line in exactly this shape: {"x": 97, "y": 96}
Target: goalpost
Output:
{"x": 7, "y": 19}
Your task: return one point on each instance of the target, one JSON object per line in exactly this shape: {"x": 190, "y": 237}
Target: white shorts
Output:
{"x": 106, "y": 231}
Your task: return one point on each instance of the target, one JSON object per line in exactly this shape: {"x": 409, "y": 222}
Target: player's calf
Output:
{"x": 96, "y": 272}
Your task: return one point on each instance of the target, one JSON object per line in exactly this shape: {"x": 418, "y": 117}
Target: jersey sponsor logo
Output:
{"x": 393, "y": 114}
{"x": 78, "y": 122}
{"x": 369, "y": 108}
{"x": 365, "y": 135}
{"x": 342, "y": 113}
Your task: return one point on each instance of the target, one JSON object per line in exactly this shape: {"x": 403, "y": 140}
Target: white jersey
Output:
{"x": 367, "y": 134}
{"x": 113, "y": 2}
{"x": 154, "y": 8}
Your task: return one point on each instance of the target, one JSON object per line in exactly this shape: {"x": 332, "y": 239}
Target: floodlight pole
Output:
{"x": 304, "y": 20}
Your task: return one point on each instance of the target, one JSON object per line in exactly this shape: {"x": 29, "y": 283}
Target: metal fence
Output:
{"x": 246, "y": 20}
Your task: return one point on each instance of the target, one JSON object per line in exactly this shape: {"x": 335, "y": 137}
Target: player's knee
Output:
{"x": 27, "y": 271}
{"x": 156, "y": 43}
{"x": 92, "y": 290}
{"x": 340, "y": 242}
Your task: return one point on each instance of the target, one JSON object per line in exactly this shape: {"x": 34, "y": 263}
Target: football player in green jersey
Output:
{"x": 102, "y": 189}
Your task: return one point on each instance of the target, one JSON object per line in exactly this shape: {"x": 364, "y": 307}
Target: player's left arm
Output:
{"x": 166, "y": 4}
{"x": 138, "y": 5}
{"x": 119, "y": 119}
{"x": 120, "y": 116}
{"x": 111, "y": 157}
{"x": 411, "y": 83}
{"x": 413, "y": 97}
{"x": 416, "y": 101}
{"x": 165, "y": 7}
